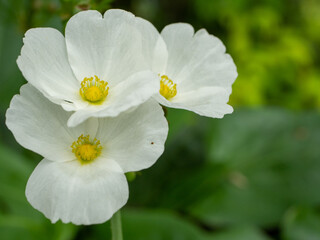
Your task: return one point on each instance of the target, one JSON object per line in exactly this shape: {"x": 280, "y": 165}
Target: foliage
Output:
{"x": 274, "y": 45}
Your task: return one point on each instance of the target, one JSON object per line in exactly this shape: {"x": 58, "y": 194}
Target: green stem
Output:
{"x": 116, "y": 228}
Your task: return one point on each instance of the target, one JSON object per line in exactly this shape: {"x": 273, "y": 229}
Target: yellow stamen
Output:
{"x": 167, "y": 88}
{"x": 94, "y": 90}
{"x": 86, "y": 150}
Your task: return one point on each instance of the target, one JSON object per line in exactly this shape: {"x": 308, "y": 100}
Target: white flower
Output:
{"x": 97, "y": 70}
{"x": 81, "y": 178}
{"x": 194, "y": 71}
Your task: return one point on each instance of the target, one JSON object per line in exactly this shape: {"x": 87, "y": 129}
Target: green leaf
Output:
{"x": 14, "y": 172}
{"x": 140, "y": 224}
{"x": 271, "y": 161}
{"x": 302, "y": 224}
{"x": 158, "y": 225}
{"x": 240, "y": 233}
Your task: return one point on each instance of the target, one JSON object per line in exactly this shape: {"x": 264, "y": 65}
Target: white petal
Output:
{"x": 134, "y": 139}
{"x": 197, "y": 60}
{"x": 132, "y": 92}
{"x": 41, "y": 126}
{"x": 177, "y": 38}
{"x": 81, "y": 194}
{"x": 44, "y": 63}
{"x": 208, "y": 101}
{"x": 108, "y": 47}
{"x": 154, "y": 48}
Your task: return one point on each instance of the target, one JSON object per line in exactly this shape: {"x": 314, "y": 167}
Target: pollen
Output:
{"x": 94, "y": 90}
{"x": 86, "y": 150}
{"x": 168, "y": 89}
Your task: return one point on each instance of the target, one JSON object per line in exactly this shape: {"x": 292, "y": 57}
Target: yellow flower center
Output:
{"x": 94, "y": 90}
{"x": 167, "y": 88}
{"x": 86, "y": 150}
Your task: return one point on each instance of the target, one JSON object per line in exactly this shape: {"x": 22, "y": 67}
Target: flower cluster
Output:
{"x": 91, "y": 106}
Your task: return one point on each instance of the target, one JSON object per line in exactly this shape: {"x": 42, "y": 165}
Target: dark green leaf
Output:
{"x": 302, "y": 224}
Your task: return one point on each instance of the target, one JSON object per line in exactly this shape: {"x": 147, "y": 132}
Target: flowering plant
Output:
{"x": 90, "y": 107}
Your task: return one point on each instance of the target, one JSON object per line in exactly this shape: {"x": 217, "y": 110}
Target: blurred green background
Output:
{"x": 254, "y": 175}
